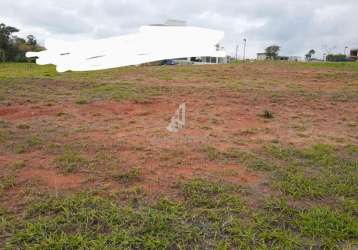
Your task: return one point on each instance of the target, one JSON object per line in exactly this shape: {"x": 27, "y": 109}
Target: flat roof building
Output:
{"x": 354, "y": 54}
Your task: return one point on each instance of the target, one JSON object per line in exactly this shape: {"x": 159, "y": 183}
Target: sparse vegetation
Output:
{"x": 251, "y": 160}
{"x": 126, "y": 176}
{"x": 70, "y": 161}
{"x": 28, "y": 144}
{"x": 120, "y": 92}
{"x": 7, "y": 181}
{"x": 86, "y": 161}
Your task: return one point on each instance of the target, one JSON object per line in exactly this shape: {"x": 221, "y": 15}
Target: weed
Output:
{"x": 267, "y": 114}
{"x": 212, "y": 153}
{"x": 59, "y": 114}
{"x": 70, "y": 161}
{"x": 82, "y": 101}
{"x": 8, "y": 181}
{"x": 23, "y": 126}
{"x": 126, "y": 176}
{"x": 18, "y": 164}
{"x": 4, "y": 124}
{"x": 6, "y": 135}
{"x": 31, "y": 143}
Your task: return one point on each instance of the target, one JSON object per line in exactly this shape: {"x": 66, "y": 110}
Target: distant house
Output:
{"x": 354, "y": 54}
{"x": 202, "y": 60}
{"x": 262, "y": 56}
{"x": 283, "y": 58}
{"x": 295, "y": 58}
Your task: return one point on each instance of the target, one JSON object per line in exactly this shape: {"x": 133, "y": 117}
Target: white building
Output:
{"x": 195, "y": 60}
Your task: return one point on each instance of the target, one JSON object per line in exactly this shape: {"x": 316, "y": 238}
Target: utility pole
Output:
{"x": 244, "y": 48}
{"x": 237, "y": 48}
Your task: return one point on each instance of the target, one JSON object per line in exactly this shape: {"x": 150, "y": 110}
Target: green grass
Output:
{"x": 44, "y": 82}
{"x": 211, "y": 216}
{"x": 200, "y": 193}
{"x": 327, "y": 225}
{"x": 89, "y": 221}
{"x": 316, "y": 172}
{"x": 332, "y": 65}
{"x": 26, "y": 70}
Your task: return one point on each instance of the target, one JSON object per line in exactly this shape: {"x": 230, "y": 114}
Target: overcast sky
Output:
{"x": 295, "y": 25}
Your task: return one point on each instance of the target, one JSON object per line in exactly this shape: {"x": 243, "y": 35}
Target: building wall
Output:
{"x": 202, "y": 60}
{"x": 354, "y": 54}
{"x": 261, "y": 57}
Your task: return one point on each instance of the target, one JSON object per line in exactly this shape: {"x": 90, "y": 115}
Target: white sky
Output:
{"x": 296, "y": 26}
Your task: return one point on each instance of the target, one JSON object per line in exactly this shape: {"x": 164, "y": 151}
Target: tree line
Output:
{"x": 272, "y": 53}
{"x": 14, "y": 48}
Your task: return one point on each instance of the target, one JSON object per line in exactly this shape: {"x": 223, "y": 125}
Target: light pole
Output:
{"x": 245, "y": 40}
{"x": 345, "y": 50}
{"x": 237, "y": 48}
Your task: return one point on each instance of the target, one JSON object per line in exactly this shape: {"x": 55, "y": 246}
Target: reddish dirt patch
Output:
{"x": 129, "y": 134}
{"x": 167, "y": 178}
{"x": 26, "y": 112}
{"x": 51, "y": 178}
{"x": 8, "y": 110}
{"x": 6, "y": 160}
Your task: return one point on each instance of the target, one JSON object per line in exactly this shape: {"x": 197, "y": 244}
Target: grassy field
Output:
{"x": 268, "y": 158}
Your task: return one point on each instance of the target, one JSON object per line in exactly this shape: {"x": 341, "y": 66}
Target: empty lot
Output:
{"x": 268, "y": 157}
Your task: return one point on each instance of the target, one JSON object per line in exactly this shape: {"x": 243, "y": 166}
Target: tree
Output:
{"x": 13, "y": 48}
{"x": 272, "y": 51}
{"x": 31, "y": 40}
{"x": 5, "y": 33}
{"x": 5, "y": 40}
{"x": 310, "y": 54}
